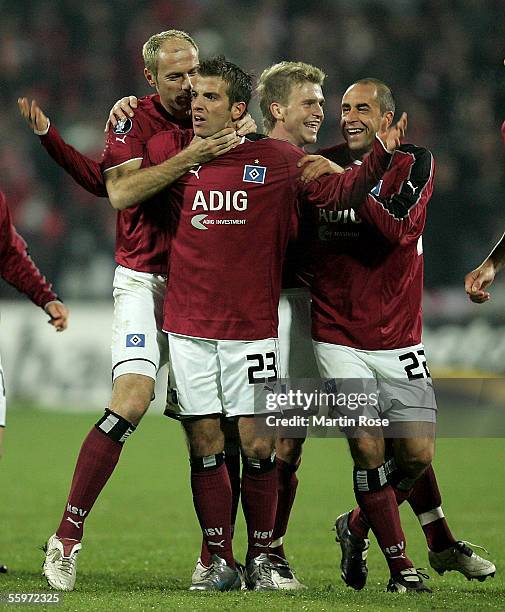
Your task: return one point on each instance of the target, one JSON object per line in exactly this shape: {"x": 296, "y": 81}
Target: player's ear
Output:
{"x": 237, "y": 110}
{"x": 277, "y": 111}
{"x": 150, "y": 77}
{"x": 389, "y": 118}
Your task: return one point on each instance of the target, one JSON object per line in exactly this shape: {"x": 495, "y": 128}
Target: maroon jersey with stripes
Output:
{"x": 16, "y": 266}
{"x": 368, "y": 264}
{"x": 235, "y": 219}
{"x": 139, "y": 244}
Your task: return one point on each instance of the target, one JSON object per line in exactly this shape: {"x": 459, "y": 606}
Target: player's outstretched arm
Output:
{"x": 59, "y": 315}
{"x": 478, "y": 280}
{"x": 347, "y": 189}
{"x": 128, "y": 184}
{"x": 85, "y": 171}
{"x": 17, "y": 267}
{"x": 316, "y": 166}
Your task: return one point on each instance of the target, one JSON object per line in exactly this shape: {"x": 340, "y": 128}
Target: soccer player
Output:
{"x": 292, "y": 103}
{"x": 139, "y": 348}
{"x": 234, "y": 221}
{"x": 367, "y": 292}
{"x": 18, "y": 269}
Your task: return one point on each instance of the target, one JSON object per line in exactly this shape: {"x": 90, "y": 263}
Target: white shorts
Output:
{"x": 295, "y": 339}
{"x": 3, "y": 403}
{"x": 139, "y": 346}
{"x": 397, "y": 381}
{"x": 227, "y": 377}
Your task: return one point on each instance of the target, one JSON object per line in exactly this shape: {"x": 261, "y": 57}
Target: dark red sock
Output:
{"x": 358, "y": 525}
{"x": 212, "y": 500}
{"x": 287, "y": 483}
{"x": 259, "y": 501}
{"x": 426, "y": 501}
{"x": 357, "y": 520}
{"x": 232, "y": 461}
{"x": 97, "y": 459}
{"x": 378, "y": 502}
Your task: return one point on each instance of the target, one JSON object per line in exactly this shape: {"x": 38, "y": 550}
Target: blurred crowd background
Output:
{"x": 442, "y": 58}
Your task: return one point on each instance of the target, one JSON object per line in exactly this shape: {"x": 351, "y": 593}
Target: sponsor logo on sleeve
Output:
{"x": 135, "y": 340}
{"x": 123, "y": 126}
{"x": 377, "y": 189}
{"x": 254, "y": 174}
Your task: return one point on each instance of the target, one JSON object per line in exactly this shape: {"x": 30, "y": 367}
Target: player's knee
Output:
{"x": 115, "y": 427}
{"x": 414, "y": 463}
{"x": 131, "y": 396}
{"x": 368, "y": 453}
{"x": 204, "y": 439}
{"x": 257, "y": 448}
{"x": 289, "y": 450}
{"x": 202, "y": 446}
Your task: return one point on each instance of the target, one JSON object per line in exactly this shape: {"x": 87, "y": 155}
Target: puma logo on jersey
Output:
{"x": 259, "y": 545}
{"x": 195, "y": 171}
{"x": 76, "y": 523}
{"x": 220, "y": 544}
{"x": 121, "y": 139}
{"x": 220, "y": 200}
{"x": 414, "y": 189}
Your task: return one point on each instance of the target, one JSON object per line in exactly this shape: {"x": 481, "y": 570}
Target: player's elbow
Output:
{"x": 118, "y": 198}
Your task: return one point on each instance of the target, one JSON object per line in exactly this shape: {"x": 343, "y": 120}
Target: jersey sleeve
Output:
{"x": 402, "y": 214}
{"x": 86, "y": 172}
{"x": 349, "y": 189}
{"x": 16, "y": 266}
{"x": 124, "y": 143}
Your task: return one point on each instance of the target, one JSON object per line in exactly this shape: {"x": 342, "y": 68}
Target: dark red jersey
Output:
{"x": 16, "y": 266}
{"x": 139, "y": 244}
{"x": 368, "y": 264}
{"x": 234, "y": 223}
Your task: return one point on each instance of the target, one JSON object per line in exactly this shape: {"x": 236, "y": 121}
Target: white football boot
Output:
{"x": 283, "y": 576}
{"x": 59, "y": 566}
{"x": 461, "y": 558}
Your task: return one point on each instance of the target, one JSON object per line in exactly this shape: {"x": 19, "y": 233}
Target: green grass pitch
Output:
{"x": 142, "y": 538}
